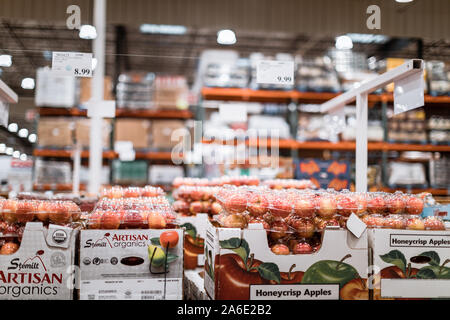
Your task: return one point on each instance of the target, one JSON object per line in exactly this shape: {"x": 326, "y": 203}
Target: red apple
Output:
{"x": 216, "y": 208}
{"x": 279, "y": 230}
{"x": 321, "y": 223}
{"x": 25, "y": 211}
{"x": 156, "y": 220}
{"x": 376, "y": 205}
{"x": 258, "y": 205}
{"x": 94, "y": 220}
{"x": 395, "y": 204}
{"x": 235, "y": 203}
{"x": 9, "y": 211}
{"x": 304, "y": 227}
{"x": 415, "y": 224}
{"x": 206, "y": 206}
{"x": 260, "y": 220}
{"x": 346, "y": 204}
{"x": 302, "y": 248}
{"x": 414, "y": 205}
{"x": 132, "y": 192}
{"x": 234, "y": 221}
{"x": 43, "y": 210}
{"x": 110, "y": 220}
{"x": 73, "y": 209}
{"x": 280, "y": 206}
{"x": 196, "y": 207}
{"x": 304, "y": 207}
{"x": 394, "y": 222}
{"x": 58, "y": 213}
{"x": 181, "y": 206}
{"x": 327, "y": 207}
{"x": 361, "y": 203}
{"x": 280, "y": 249}
{"x": 433, "y": 223}
{"x": 9, "y": 248}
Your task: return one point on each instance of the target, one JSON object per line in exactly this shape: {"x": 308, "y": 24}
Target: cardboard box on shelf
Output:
{"x": 135, "y": 130}
{"x": 171, "y": 92}
{"x": 55, "y": 132}
{"x": 164, "y": 174}
{"x": 86, "y": 85}
{"x": 240, "y": 265}
{"x": 119, "y": 264}
{"x": 162, "y": 133}
{"x": 410, "y": 264}
{"x": 42, "y": 268}
{"x": 194, "y": 239}
{"x": 54, "y": 89}
{"x": 83, "y": 129}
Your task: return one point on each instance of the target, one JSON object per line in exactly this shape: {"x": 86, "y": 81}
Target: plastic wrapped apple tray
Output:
{"x": 132, "y": 213}
{"x": 289, "y": 184}
{"x": 216, "y": 182}
{"x": 37, "y": 248}
{"x": 118, "y": 192}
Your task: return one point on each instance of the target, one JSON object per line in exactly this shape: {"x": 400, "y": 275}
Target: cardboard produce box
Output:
{"x": 55, "y": 132}
{"x": 194, "y": 239}
{"x": 42, "y": 268}
{"x": 162, "y": 133}
{"x": 86, "y": 87}
{"x": 135, "y": 130}
{"x": 410, "y": 264}
{"x": 83, "y": 130}
{"x": 194, "y": 288}
{"x": 240, "y": 265}
{"x": 119, "y": 264}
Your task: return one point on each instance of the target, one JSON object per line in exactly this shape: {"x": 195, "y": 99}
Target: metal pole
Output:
{"x": 76, "y": 168}
{"x": 361, "y": 141}
{"x": 95, "y": 147}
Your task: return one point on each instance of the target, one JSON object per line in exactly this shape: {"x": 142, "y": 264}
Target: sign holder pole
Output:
{"x": 402, "y": 76}
{"x": 95, "y": 144}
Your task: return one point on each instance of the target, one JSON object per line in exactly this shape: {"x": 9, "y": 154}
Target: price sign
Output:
{"x": 76, "y": 64}
{"x": 275, "y": 72}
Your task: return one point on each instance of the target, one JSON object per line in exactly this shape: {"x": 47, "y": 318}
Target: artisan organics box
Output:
{"x": 240, "y": 265}
{"x": 43, "y": 266}
{"x": 129, "y": 264}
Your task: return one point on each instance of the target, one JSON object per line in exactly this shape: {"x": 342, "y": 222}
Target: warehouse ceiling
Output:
{"x": 31, "y": 44}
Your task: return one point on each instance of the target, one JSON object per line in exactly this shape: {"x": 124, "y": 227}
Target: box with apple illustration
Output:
{"x": 194, "y": 238}
{"x": 240, "y": 265}
{"x": 43, "y": 266}
{"x": 138, "y": 264}
{"x": 410, "y": 264}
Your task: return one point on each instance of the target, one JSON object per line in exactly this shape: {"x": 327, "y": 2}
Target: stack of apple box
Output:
{"x": 194, "y": 285}
{"x": 410, "y": 264}
{"x": 37, "y": 254}
{"x": 195, "y": 205}
{"x": 131, "y": 250}
{"x": 240, "y": 265}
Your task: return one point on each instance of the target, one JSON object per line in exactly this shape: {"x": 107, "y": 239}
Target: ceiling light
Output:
{"x": 13, "y": 127}
{"x": 9, "y": 151}
{"x": 23, "y": 157}
{"x": 344, "y": 43}
{"x": 27, "y": 83}
{"x": 226, "y": 37}
{"x": 162, "y": 29}
{"x": 403, "y": 1}
{"x": 23, "y": 133}
{"x": 367, "y": 38}
{"x": 16, "y": 154}
{"x": 32, "y": 138}
{"x": 88, "y": 32}
{"x": 5, "y": 60}
{"x": 2, "y": 148}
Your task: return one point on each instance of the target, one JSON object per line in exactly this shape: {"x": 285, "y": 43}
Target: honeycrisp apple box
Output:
{"x": 43, "y": 266}
{"x": 240, "y": 265}
{"x": 410, "y": 263}
{"x": 194, "y": 238}
{"x": 129, "y": 264}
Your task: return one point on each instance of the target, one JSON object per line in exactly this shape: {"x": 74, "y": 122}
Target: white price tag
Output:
{"x": 408, "y": 93}
{"x": 104, "y": 109}
{"x": 275, "y": 72}
{"x": 76, "y": 64}
{"x": 233, "y": 112}
{"x": 356, "y": 225}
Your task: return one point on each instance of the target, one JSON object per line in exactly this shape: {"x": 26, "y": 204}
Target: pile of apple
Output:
{"x": 118, "y": 192}
{"x": 294, "y": 219}
{"x": 191, "y": 200}
{"x": 132, "y": 213}
{"x": 19, "y": 212}
{"x": 289, "y": 184}
{"x": 216, "y": 182}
